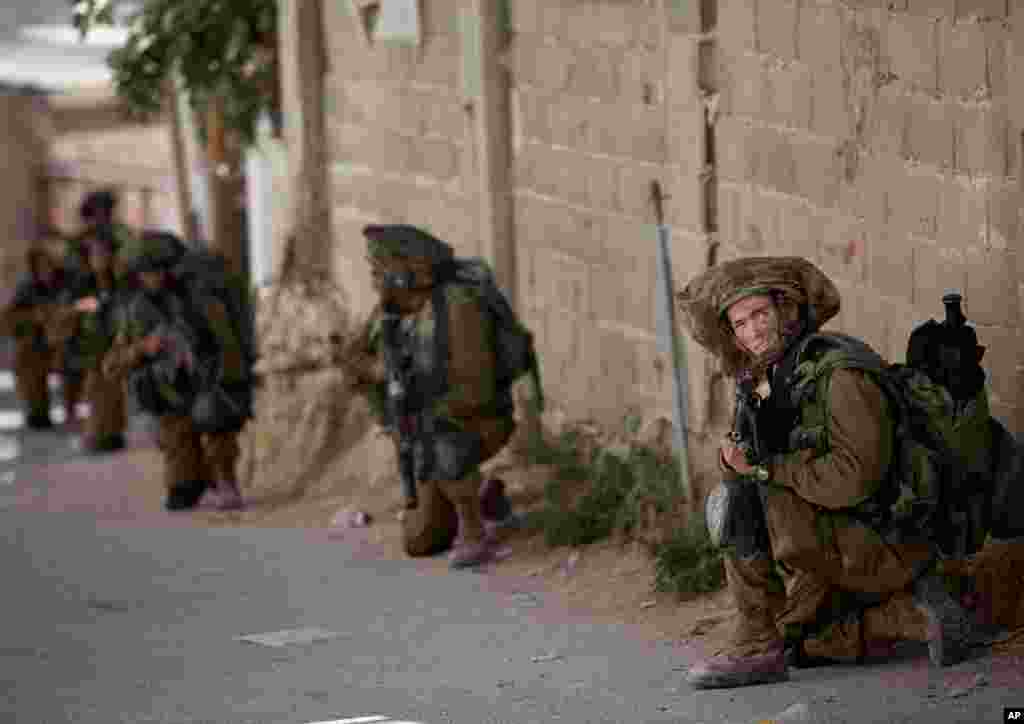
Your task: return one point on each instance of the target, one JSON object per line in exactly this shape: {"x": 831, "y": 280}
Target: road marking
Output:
{"x": 290, "y": 636}
{"x": 367, "y": 720}
{"x": 6, "y": 381}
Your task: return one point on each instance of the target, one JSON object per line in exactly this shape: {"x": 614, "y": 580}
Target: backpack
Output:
{"x": 925, "y": 490}
{"x": 515, "y": 352}
{"x": 205, "y": 276}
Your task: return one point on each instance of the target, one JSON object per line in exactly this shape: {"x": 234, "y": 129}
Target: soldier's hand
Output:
{"x": 88, "y": 305}
{"x": 152, "y": 344}
{"x": 732, "y": 456}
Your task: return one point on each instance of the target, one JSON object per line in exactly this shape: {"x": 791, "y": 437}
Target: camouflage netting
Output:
{"x": 310, "y": 437}
{"x": 707, "y": 296}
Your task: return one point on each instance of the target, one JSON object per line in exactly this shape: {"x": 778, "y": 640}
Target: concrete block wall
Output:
{"x": 400, "y": 142}
{"x": 881, "y": 140}
{"x": 606, "y": 100}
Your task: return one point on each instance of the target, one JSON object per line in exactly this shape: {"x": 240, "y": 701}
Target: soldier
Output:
{"x": 83, "y": 325}
{"x": 455, "y": 416}
{"x": 824, "y": 563}
{"x": 164, "y": 338}
{"x": 96, "y": 212}
{"x": 26, "y": 319}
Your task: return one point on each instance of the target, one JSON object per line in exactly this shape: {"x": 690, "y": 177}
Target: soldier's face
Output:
{"x": 755, "y": 322}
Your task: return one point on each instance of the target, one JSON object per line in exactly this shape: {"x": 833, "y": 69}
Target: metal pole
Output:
{"x": 670, "y": 343}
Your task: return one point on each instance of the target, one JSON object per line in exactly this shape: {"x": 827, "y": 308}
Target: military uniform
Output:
{"x": 460, "y": 420}
{"x": 194, "y": 460}
{"x": 26, "y": 319}
{"x": 824, "y": 568}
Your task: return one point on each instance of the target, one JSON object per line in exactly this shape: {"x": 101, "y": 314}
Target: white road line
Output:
{"x": 356, "y": 720}
{"x": 6, "y": 381}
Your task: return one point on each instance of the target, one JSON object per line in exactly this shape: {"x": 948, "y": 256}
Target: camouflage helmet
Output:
{"x": 706, "y": 299}
{"x": 152, "y": 251}
{"x": 406, "y": 242}
{"x": 405, "y": 249}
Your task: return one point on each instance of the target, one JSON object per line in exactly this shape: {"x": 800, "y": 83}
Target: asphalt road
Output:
{"x": 118, "y": 612}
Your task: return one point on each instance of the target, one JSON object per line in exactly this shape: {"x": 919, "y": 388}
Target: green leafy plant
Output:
{"x": 688, "y": 562}
{"x": 223, "y": 49}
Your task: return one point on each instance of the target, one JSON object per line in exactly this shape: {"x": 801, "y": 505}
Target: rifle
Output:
{"x": 744, "y": 432}
{"x": 398, "y": 363}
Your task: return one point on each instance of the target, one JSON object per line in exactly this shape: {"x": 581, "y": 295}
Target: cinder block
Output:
{"x": 776, "y": 160}
{"x": 962, "y": 59}
{"x": 982, "y": 140}
{"x": 728, "y": 204}
{"x": 936, "y": 271}
{"x": 801, "y": 231}
{"x": 593, "y": 180}
{"x": 681, "y": 85}
{"x": 741, "y": 91}
{"x": 684, "y": 17}
{"x": 594, "y": 72}
{"x": 820, "y": 37}
{"x": 777, "y": 28}
{"x": 929, "y": 135}
{"x": 992, "y": 287}
{"x": 686, "y": 203}
{"x": 533, "y": 115}
{"x": 642, "y": 77}
{"x": 911, "y": 45}
{"x": 997, "y": 59}
{"x": 843, "y": 249}
{"x": 819, "y": 171}
{"x": 437, "y": 62}
{"x": 1004, "y": 214}
{"x": 737, "y": 24}
{"x": 963, "y": 215}
{"x": 571, "y": 123}
{"x": 638, "y": 132}
{"x": 758, "y": 222}
{"x": 377, "y": 148}
{"x": 686, "y": 140}
{"x": 436, "y": 158}
{"x": 887, "y": 131}
{"x": 892, "y": 265}
{"x": 914, "y": 198}
{"x": 1003, "y": 347}
{"x": 787, "y": 95}
{"x": 982, "y": 9}
{"x": 733, "y": 152}
{"x": 440, "y": 114}
{"x": 831, "y": 114}
{"x": 539, "y": 63}
{"x": 612, "y": 24}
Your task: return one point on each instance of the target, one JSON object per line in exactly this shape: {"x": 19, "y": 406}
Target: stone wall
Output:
{"x": 882, "y": 141}
{"x": 879, "y": 139}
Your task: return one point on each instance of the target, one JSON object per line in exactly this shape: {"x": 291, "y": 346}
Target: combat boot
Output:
{"x": 228, "y": 496}
{"x": 756, "y": 653}
{"x": 185, "y": 496}
{"x": 474, "y": 546}
{"x": 495, "y": 507}
{"x": 929, "y": 615}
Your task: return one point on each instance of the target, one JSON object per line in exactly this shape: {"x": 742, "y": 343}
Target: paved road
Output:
{"x": 114, "y": 611}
